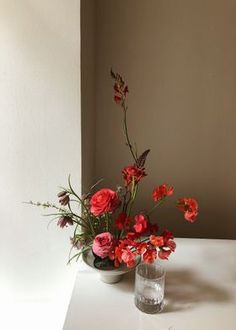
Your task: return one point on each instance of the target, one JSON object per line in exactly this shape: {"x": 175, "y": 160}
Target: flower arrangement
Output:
{"x": 104, "y": 221}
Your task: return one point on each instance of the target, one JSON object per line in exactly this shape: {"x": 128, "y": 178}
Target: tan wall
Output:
{"x": 88, "y": 91}
{"x": 179, "y": 58}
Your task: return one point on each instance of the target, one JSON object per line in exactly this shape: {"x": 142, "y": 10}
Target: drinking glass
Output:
{"x": 149, "y": 287}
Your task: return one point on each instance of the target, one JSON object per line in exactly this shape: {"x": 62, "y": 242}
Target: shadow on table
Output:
{"x": 184, "y": 290}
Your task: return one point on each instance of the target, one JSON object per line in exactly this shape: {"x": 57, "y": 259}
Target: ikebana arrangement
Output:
{"x": 104, "y": 219}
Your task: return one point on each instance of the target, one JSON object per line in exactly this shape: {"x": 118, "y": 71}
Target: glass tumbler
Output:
{"x": 149, "y": 287}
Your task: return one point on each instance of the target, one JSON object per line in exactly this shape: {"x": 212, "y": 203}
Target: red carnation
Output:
{"x": 190, "y": 208}
{"x": 162, "y": 191}
{"x": 132, "y": 173}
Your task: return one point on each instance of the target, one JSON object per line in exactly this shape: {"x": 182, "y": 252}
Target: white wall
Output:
{"x": 40, "y": 145}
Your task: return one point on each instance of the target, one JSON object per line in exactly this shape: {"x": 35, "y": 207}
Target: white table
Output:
{"x": 200, "y": 293}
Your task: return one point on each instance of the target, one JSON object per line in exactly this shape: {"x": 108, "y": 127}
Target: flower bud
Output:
{"x": 65, "y": 221}
{"x": 64, "y": 200}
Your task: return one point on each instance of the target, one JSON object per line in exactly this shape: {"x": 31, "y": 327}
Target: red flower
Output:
{"x": 103, "y": 245}
{"x": 157, "y": 241}
{"x": 150, "y": 256}
{"x": 142, "y": 247}
{"x": 131, "y": 236}
{"x": 122, "y": 221}
{"x": 190, "y": 208}
{"x": 117, "y": 99}
{"x": 161, "y": 192}
{"x": 171, "y": 245}
{"x": 141, "y": 224}
{"x": 164, "y": 254}
{"x": 168, "y": 240}
{"x": 128, "y": 257}
{"x": 104, "y": 201}
{"x": 153, "y": 228}
{"x": 118, "y": 255}
{"x": 132, "y": 173}
{"x": 119, "y": 87}
{"x": 167, "y": 235}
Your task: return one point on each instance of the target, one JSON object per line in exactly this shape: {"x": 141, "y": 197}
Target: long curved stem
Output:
{"x": 125, "y": 108}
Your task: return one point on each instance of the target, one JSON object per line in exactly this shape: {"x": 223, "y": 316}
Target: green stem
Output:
{"x": 156, "y": 205}
{"x": 107, "y": 221}
{"x": 125, "y": 108}
{"x": 134, "y": 190}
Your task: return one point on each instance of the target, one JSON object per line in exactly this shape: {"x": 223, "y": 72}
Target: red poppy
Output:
{"x": 142, "y": 247}
{"x": 171, "y": 245}
{"x": 162, "y": 191}
{"x": 149, "y": 256}
{"x": 190, "y": 208}
{"x": 167, "y": 235}
{"x": 157, "y": 241}
{"x": 128, "y": 257}
{"x": 164, "y": 254}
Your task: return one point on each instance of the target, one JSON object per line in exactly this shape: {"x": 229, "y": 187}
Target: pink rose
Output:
{"x": 103, "y": 245}
{"x": 104, "y": 201}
